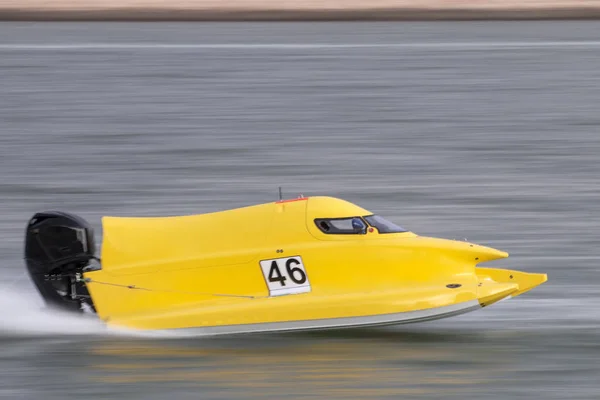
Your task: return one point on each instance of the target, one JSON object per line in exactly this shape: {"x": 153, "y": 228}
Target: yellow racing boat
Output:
{"x": 297, "y": 264}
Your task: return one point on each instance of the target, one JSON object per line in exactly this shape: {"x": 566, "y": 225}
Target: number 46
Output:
{"x": 296, "y": 274}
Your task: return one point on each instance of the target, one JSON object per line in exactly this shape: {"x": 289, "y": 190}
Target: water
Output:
{"x": 487, "y": 131}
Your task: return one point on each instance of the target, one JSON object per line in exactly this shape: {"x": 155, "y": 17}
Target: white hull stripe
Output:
{"x": 334, "y": 323}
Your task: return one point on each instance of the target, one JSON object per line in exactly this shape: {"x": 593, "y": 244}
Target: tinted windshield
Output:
{"x": 383, "y": 225}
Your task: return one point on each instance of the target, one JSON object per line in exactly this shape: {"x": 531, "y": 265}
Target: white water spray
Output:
{"x": 23, "y": 313}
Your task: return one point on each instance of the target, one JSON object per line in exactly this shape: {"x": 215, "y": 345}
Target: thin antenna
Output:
{"x": 280, "y": 194}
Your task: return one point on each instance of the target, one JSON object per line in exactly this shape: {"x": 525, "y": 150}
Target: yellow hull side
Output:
{"x": 185, "y": 276}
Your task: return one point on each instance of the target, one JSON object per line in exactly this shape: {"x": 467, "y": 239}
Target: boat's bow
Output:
{"x": 497, "y": 284}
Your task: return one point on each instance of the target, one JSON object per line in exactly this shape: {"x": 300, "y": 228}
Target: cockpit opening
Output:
{"x": 342, "y": 226}
{"x": 357, "y": 225}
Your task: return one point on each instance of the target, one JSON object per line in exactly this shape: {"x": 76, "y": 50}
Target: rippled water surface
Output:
{"x": 485, "y": 131}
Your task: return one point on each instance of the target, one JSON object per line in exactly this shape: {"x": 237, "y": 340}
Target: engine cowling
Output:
{"x": 58, "y": 246}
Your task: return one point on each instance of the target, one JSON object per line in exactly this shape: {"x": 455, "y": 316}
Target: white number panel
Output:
{"x": 285, "y": 276}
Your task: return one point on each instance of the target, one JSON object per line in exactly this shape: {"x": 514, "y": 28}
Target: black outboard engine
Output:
{"x": 58, "y": 247}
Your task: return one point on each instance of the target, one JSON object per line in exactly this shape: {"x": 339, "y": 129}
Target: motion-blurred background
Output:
{"x": 479, "y": 130}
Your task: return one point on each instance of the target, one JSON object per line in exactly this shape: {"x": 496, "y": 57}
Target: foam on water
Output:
{"x": 24, "y": 314}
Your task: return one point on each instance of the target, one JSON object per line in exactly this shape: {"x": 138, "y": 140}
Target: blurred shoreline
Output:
{"x": 307, "y": 10}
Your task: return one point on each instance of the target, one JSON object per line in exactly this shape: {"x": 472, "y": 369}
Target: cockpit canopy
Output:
{"x": 357, "y": 225}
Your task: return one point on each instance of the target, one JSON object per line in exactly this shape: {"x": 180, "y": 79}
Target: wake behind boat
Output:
{"x": 297, "y": 264}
